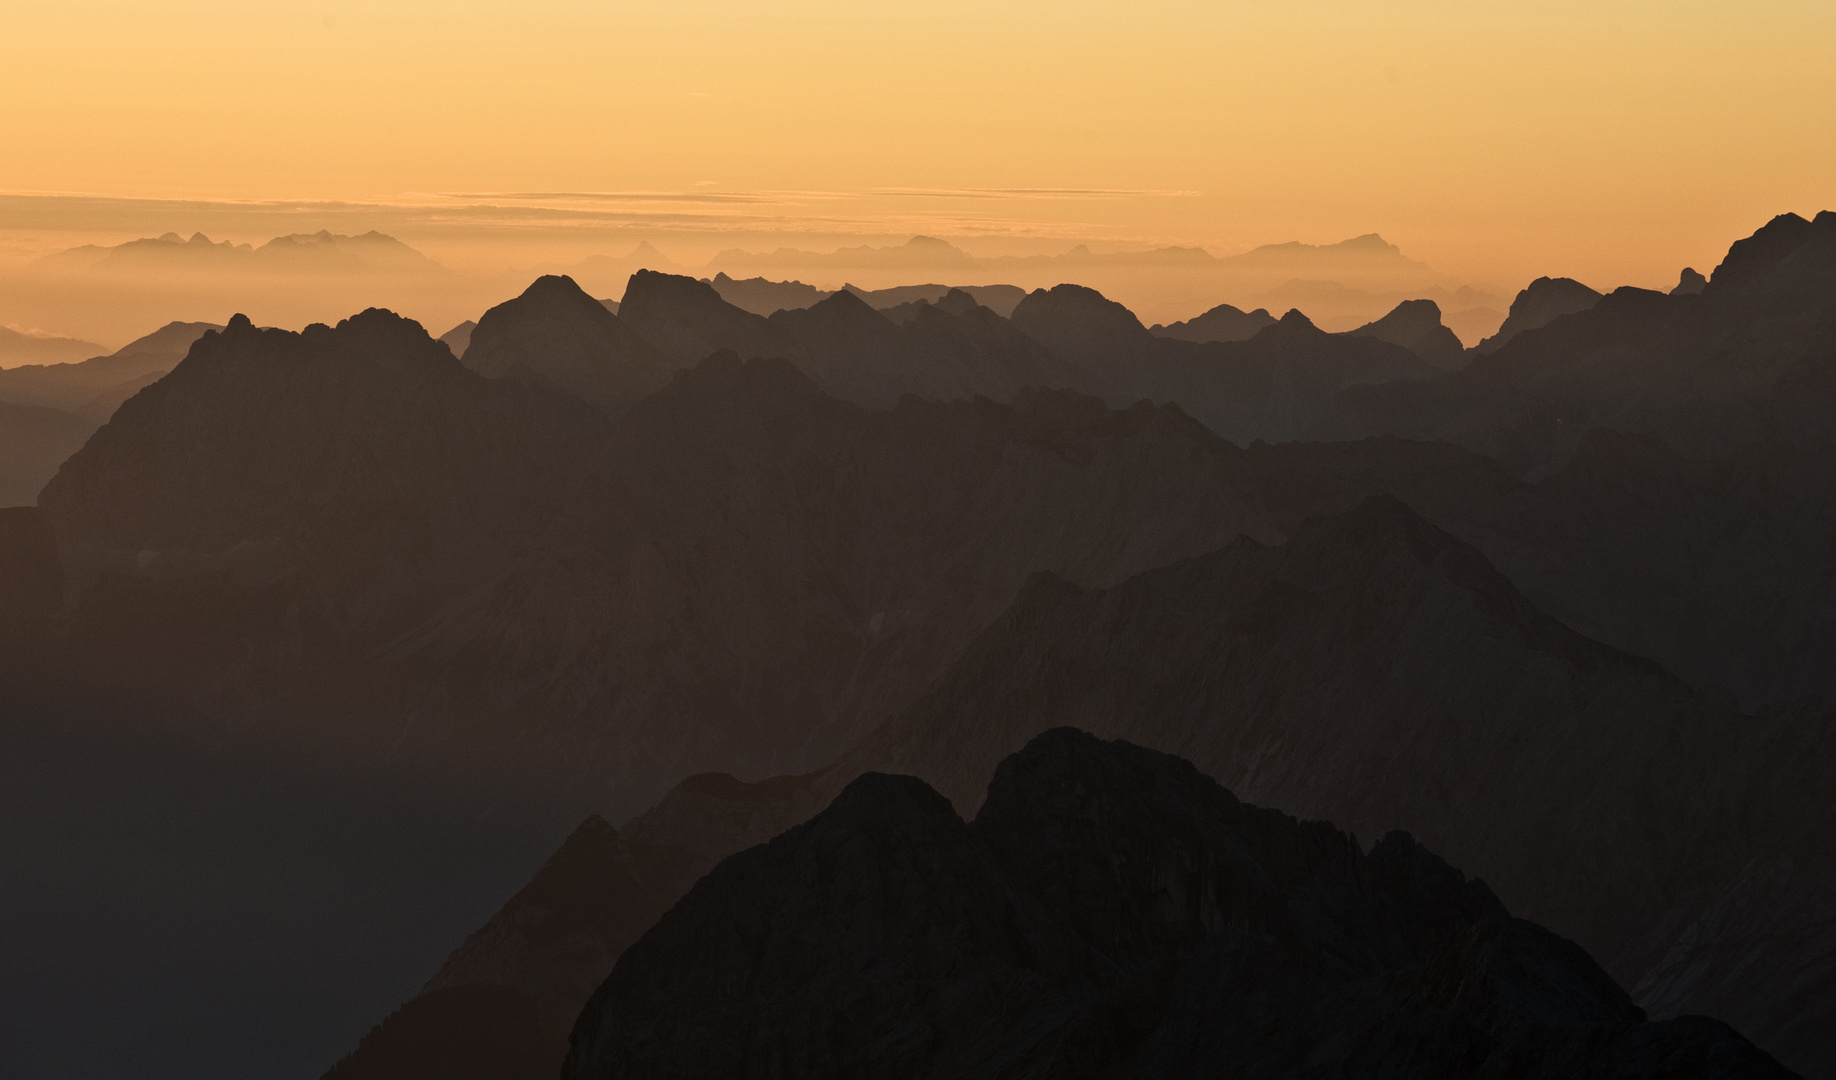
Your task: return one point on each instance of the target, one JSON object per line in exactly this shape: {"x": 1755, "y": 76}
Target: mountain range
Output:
{"x": 1559, "y": 607}
{"x": 301, "y": 253}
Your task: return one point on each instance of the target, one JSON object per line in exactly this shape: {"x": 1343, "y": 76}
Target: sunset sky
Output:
{"x": 1614, "y": 140}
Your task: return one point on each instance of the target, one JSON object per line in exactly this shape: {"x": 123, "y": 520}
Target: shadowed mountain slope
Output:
{"x": 94, "y": 388}
{"x": 34, "y": 441}
{"x": 503, "y": 1004}
{"x": 1111, "y": 912}
{"x": 556, "y": 334}
{"x": 738, "y": 575}
{"x": 1377, "y": 672}
{"x": 688, "y": 321}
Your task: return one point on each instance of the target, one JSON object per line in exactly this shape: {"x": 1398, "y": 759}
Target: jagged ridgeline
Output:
{"x": 1110, "y": 911}
{"x": 1561, "y": 607}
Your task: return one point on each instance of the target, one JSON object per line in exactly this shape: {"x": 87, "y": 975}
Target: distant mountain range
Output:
{"x": 54, "y": 407}
{"x": 930, "y": 253}
{"x": 18, "y": 348}
{"x": 301, "y": 253}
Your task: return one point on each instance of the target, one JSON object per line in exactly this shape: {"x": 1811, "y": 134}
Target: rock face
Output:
{"x": 1540, "y": 303}
{"x": 1221, "y": 323}
{"x": 555, "y": 334}
{"x": 1375, "y": 672}
{"x": 1111, "y": 911}
{"x": 1416, "y": 326}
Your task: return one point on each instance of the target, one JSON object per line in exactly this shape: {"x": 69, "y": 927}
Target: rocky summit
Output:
{"x": 1111, "y": 912}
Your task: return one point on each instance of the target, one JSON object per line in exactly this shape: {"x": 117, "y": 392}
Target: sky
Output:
{"x": 1612, "y": 140}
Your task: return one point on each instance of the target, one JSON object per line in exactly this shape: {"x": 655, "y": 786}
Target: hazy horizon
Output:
{"x": 1614, "y": 143}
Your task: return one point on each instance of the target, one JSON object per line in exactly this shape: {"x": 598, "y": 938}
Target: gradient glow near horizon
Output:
{"x": 1611, "y": 140}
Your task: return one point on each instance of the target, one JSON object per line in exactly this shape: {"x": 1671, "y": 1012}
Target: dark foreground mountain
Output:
{"x": 1376, "y": 672}
{"x": 1110, "y": 912}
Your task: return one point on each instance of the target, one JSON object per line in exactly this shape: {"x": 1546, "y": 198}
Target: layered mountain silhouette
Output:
{"x": 505, "y": 1002}
{"x": 1221, "y": 323}
{"x": 1737, "y": 366}
{"x": 1341, "y": 674}
{"x": 1376, "y": 672}
{"x": 1540, "y": 303}
{"x": 47, "y": 411}
{"x": 300, "y": 253}
{"x": 1110, "y": 911}
{"x": 1567, "y": 644}
{"x": 556, "y": 334}
{"x": 18, "y": 348}
{"x": 1416, "y": 326}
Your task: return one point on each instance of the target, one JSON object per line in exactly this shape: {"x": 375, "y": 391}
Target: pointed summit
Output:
{"x": 1416, "y": 326}
{"x": 558, "y": 334}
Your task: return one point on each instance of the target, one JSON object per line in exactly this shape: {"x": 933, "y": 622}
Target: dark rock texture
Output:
{"x": 1376, "y": 672}
{"x": 1111, "y": 912}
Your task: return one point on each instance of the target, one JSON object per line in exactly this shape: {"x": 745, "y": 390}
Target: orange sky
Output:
{"x": 1614, "y": 141}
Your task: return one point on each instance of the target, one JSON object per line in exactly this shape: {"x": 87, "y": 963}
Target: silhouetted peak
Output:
{"x": 1749, "y": 257}
{"x": 1079, "y": 323}
{"x": 650, "y": 285}
{"x": 881, "y": 803}
{"x": 956, "y": 302}
{"x": 845, "y": 305}
{"x": 1690, "y": 283}
{"x": 1541, "y": 302}
{"x": 239, "y": 322}
{"x": 1293, "y": 326}
{"x": 556, "y": 285}
{"x": 385, "y": 337}
{"x": 1789, "y": 261}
